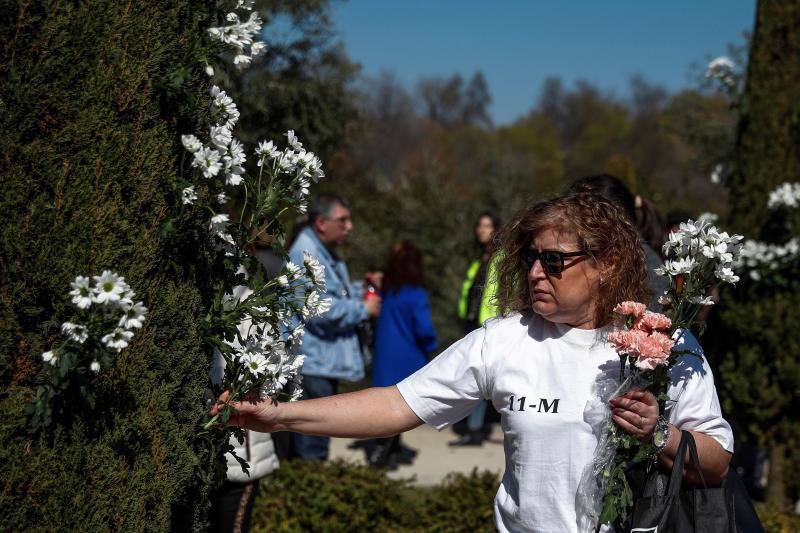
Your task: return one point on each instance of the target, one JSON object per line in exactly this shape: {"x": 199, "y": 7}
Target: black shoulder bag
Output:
{"x": 667, "y": 505}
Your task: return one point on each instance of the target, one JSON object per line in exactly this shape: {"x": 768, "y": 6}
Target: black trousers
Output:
{"x": 232, "y": 507}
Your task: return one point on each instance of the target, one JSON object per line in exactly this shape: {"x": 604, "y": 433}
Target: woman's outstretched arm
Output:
{"x": 369, "y": 413}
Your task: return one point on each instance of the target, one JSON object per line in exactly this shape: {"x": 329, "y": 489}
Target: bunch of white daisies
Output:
{"x": 107, "y": 315}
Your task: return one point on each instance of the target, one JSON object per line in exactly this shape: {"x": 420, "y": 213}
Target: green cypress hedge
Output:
{"x": 759, "y": 352}
{"x": 93, "y": 97}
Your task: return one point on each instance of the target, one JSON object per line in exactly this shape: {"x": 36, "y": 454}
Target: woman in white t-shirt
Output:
{"x": 543, "y": 365}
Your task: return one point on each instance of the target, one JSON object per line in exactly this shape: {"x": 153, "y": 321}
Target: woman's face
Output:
{"x": 568, "y": 297}
{"x": 484, "y": 230}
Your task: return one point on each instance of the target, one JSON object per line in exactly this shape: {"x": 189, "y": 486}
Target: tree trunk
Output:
{"x": 776, "y": 488}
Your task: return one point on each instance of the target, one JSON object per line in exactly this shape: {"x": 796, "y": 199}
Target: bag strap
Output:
{"x": 687, "y": 441}
{"x": 695, "y": 457}
{"x": 677, "y": 466}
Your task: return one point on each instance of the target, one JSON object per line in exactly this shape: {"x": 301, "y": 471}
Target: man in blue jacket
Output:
{"x": 331, "y": 341}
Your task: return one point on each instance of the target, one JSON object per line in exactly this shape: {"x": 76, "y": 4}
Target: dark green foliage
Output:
{"x": 768, "y": 151}
{"x": 759, "y": 352}
{"x": 94, "y": 96}
{"x": 302, "y": 82}
{"x": 337, "y": 496}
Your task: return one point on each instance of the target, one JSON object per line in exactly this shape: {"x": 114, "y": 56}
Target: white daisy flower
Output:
{"x": 134, "y": 316}
{"x": 188, "y": 195}
{"x": 117, "y": 339}
{"x": 109, "y": 287}
{"x": 81, "y": 293}
{"x": 75, "y": 332}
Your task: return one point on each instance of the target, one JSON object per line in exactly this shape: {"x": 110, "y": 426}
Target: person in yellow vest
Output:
{"x": 477, "y": 305}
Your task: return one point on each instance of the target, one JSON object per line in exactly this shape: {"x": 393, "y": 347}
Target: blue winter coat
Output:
{"x": 331, "y": 341}
{"x": 404, "y": 337}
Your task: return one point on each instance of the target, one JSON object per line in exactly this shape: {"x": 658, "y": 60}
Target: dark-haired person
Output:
{"x": 648, "y": 222}
{"x": 405, "y": 337}
{"x": 477, "y": 305}
{"x": 565, "y": 264}
{"x": 331, "y": 341}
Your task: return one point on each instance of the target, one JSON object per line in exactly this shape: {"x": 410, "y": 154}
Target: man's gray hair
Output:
{"x": 323, "y": 206}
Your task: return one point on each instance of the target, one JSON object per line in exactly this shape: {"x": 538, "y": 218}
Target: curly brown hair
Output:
{"x": 600, "y": 227}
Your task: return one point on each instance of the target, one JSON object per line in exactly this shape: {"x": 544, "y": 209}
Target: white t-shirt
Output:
{"x": 547, "y": 381}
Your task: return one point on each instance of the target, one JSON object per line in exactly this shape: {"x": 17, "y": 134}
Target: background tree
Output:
{"x": 759, "y": 358}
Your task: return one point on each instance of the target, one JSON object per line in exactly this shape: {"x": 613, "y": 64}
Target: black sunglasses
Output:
{"x": 552, "y": 260}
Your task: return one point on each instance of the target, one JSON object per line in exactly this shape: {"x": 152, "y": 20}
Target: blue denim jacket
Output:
{"x": 331, "y": 341}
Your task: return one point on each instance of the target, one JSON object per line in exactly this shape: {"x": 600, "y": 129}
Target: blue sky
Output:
{"x": 518, "y": 44}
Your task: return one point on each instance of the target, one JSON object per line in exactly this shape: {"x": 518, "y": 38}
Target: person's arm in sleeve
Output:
{"x": 696, "y": 408}
{"x": 424, "y": 332}
{"x": 445, "y": 390}
{"x": 370, "y": 413}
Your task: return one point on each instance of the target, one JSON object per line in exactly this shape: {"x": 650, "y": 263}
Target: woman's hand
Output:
{"x": 636, "y": 412}
{"x": 255, "y": 414}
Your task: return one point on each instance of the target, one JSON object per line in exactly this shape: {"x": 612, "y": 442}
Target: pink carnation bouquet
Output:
{"x": 699, "y": 256}
{"x": 645, "y": 341}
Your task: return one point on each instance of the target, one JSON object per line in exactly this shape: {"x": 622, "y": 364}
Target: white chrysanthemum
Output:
{"x": 223, "y": 107}
{"x": 75, "y": 332}
{"x": 257, "y": 48}
{"x": 50, "y": 357}
{"x": 692, "y": 228}
{"x": 222, "y": 198}
{"x": 683, "y": 265}
{"x": 721, "y": 63}
{"x": 293, "y": 271}
{"x": 283, "y": 281}
{"x": 109, "y": 287}
{"x": 726, "y": 274}
{"x": 117, "y": 339}
{"x": 788, "y": 194}
{"x": 700, "y": 300}
{"x": 315, "y": 271}
{"x": 722, "y": 69}
{"x": 219, "y": 224}
{"x": 716, "y": 174}
{"x": 236, "y": 154}
{"x": 134, "y": 316}
{"x": 188, "y": 195}
{"x": 240, "y": 35}
{"x": 234, "y": 174}
{"x": 293, "y": 141}
{"x": 221, "y": 136}
{"x": 191, "y": 143}
{"x": 242, "y": 60}
{"x": 265, "y": 150}
{"x": 94, "y": 367}
{"x": 255, "y": 362}
{"x": 208, "y": 161}
{"x": 81, "y": 293}
{"x": 296, "y": 335}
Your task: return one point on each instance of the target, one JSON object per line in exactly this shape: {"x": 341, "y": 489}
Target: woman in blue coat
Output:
{"x": 405, "y": 337}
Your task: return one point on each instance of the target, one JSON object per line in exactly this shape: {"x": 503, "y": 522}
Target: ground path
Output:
{"x": 435, "y": 459}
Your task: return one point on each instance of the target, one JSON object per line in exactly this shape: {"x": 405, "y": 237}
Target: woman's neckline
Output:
{"x": 583, "y": 337}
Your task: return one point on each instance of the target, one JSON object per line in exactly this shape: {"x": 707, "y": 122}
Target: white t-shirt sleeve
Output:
{"x": 694, "y": 403}
{"x": 445, "y": 390}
